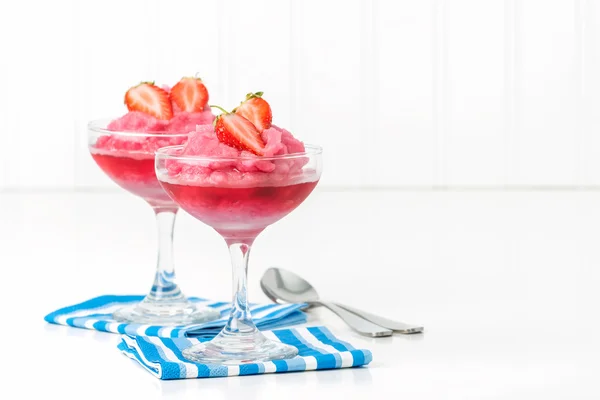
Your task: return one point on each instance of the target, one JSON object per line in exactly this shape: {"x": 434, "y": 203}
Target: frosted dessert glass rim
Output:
{"x": 99, "y": 126}
{"x": 310, "y": 150}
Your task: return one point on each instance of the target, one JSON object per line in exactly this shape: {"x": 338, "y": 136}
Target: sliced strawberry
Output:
{"x": 256, "y": 110}
{"x": 150, "y": 99}
{"x": 236, "y": 131}
{"x": 189, "y": 94}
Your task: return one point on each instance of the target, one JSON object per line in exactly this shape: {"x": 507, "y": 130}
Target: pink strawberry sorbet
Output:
{"x": 182, "y": 122}
{"x": 238, "y": 168}
{"x": 134, "y": 121}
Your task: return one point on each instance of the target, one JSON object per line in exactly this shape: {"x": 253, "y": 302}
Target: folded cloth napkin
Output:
{"x": 96, "y": 314}
{"x": 317, "y": 349}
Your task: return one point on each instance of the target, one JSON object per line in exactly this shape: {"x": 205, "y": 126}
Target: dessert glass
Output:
{"x": 128, "y": 159}
{"x": 239, "y": 206}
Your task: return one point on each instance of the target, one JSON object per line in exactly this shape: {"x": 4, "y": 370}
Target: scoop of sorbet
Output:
{"x": 226, "y": 165}
{"x": 182, "y": 122}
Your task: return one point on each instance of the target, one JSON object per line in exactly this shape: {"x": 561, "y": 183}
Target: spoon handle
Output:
{"x": 357, "y": 323}
{"x": 399, "y": 327}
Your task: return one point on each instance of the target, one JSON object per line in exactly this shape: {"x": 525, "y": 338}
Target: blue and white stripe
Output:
{"x": 165, "y": 287}
{"x": 317, "y": 349}
{"x": 97, "y": 313}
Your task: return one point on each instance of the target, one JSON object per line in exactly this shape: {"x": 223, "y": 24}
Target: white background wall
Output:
{"x": 432, "y": 92}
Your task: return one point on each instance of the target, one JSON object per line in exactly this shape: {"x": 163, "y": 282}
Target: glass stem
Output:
{"x": 164, "y": 287}
{"x": 240, "y": 319}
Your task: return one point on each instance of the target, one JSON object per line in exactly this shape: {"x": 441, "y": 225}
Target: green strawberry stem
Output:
{"x": 252, "y": 95}
{"x": 220, "y": 108}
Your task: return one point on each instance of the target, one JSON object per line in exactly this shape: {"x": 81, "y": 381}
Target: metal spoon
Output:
{"x": 279, "y": 284}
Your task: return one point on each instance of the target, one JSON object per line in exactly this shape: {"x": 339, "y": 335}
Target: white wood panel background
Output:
{"x": 399, "y": 92}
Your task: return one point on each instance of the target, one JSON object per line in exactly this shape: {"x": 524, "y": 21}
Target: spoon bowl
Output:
{"x": 280, "y": 284}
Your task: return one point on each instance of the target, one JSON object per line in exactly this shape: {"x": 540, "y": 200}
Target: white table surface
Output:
{"x": 506, "y": 284}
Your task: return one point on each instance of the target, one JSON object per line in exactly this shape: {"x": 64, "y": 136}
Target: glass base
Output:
{"x": 235, "y": 349}
{"x": 166, "y": 313}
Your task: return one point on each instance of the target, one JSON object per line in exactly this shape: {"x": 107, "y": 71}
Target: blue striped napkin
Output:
{"x": 317, "y": 349}
{"x": 96, "y": 314}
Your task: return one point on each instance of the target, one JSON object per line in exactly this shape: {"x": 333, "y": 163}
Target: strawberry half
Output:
{"x": 236, "y": 131}
{"x": 189, "y": 94}
{"x": 149, "y": 99}
{"x": 256, "y": 110}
